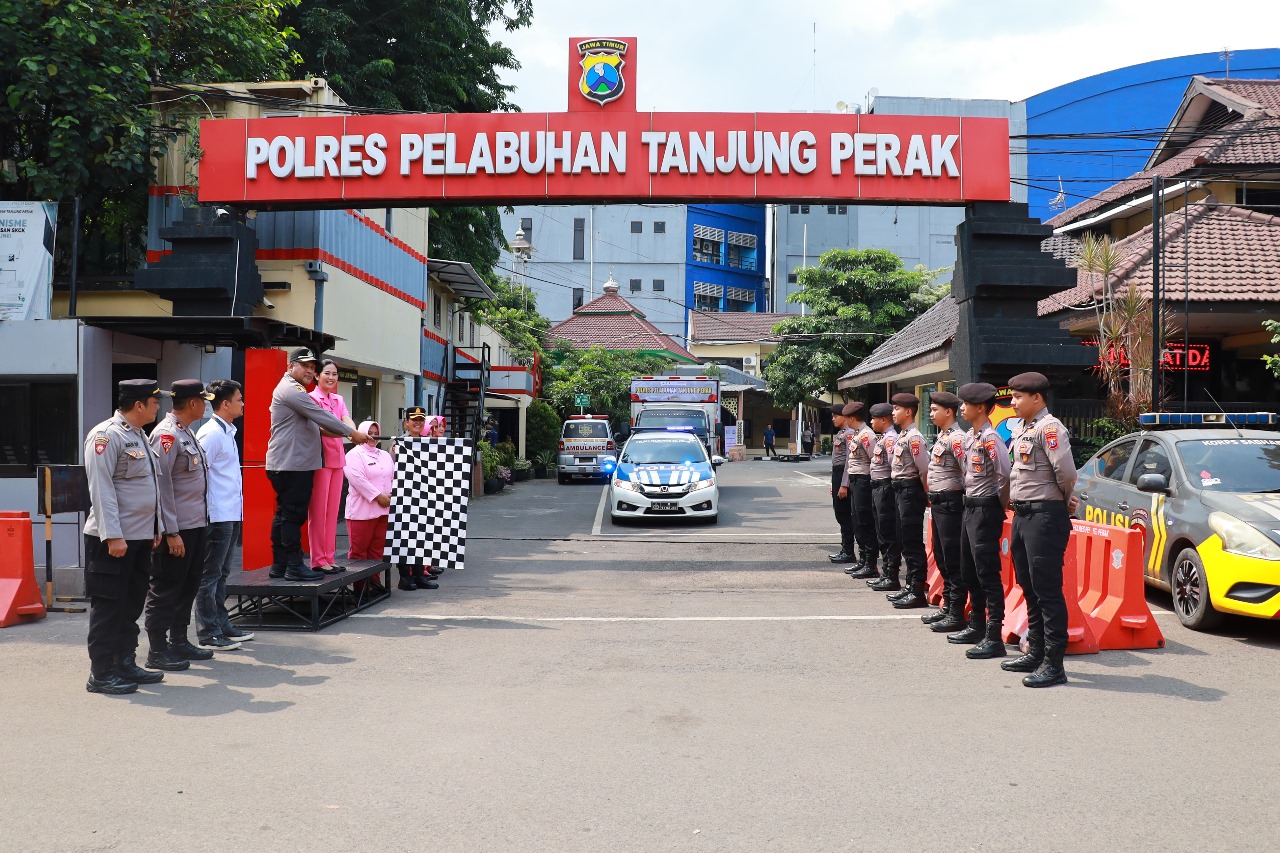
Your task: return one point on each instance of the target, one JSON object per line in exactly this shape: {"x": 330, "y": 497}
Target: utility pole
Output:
{"x": 1157, "y": 247}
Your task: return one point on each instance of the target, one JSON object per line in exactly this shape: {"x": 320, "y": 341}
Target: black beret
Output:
{"x": 415, "y": 412}
{"x": 187, "y": 389}
{"x": 132, "y": 390}
{"x": 945, "y": 399}
{"x": 837, "y": 409}
{"x": 881, "y": 410}
{"x": 855, "y": 409}
{"x": 977, "y": 392}
{"x": 1030, "y": 383}
{"x": 302, "y": 354}
{"x": 905, "y": 399}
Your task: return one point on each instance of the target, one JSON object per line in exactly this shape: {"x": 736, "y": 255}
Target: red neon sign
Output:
{"x": 1196, "y": 359}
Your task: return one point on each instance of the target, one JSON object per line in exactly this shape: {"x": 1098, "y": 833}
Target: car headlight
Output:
{"x": 627, "y": 484}
{"x": 701, "y": 484}
{"x": 1242, "y": 538}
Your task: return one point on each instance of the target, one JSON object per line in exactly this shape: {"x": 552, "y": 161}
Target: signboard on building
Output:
{"x": 602, "y": 150}
{"x": 26, "y": 258}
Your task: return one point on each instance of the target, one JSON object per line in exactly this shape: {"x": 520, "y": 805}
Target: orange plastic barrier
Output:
{"x": 1081, "y": 637}
{"x": 1015, "y": 604}
{"x": 1113, "y": 592}
{"x": 933, "y": 577}
{"x": 19, "y": 593}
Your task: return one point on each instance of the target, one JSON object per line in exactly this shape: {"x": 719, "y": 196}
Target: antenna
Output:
{"x": 1059, "y": 201}
{"x": 815, "y": 67}
{"x": 1225, "y": 55}
{"x": 1225, "y": 416}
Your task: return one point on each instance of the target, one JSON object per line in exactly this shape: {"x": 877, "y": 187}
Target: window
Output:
{"x": 435, "y": 303}
{"x": 526, "y": 225}
{"x": 842, "y": 209}
{"x": 659, "y": 228}
{"x": 791, "y": 278}
{"x": 472, "y": 324}
{"x": 1111, "y": 462}
{"x": 388, "y": 221}
{"x": 577, "y": 298}
{"x": 706, "y": 250}
{"x": 637, "y": 227}
{"x": 1152, "y": 459}
{"x": 804, "y": 209}
{"x": 795, "y": 208}
{"x": 635, "y": 285}
{"x": 40, "y": 426}
{"x": 706, "y": 303}
{"x": 831, "y": 210}
{"x": 659, "y": 285}
{"x": 579, "y": 239}
{"x": 461, "y": 327}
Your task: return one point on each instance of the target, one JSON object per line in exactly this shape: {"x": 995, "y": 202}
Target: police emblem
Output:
{"x": 1051, "y": 438}
{"x": 100, "y": 442}
{"x": 602, "y": 63}
{"x": 166, "y": 441}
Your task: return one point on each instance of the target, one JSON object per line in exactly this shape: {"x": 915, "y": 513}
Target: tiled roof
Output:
{"x": 1232, "y": 254}
{"x": 612, "y": 322}
{"x": 930, "y": 330}
{"x": 1263, "y": 93}
{"x": 734, "y": 326}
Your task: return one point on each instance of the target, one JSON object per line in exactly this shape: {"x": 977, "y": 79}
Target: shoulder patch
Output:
{"x": 957, "y": 445}
{"x": 100, "y": 442}
{"x": 166, "y": 441}
{"x": 990, "y": 444}
{"x": 916, "y": 444}
{"x": 1051, "y": 437}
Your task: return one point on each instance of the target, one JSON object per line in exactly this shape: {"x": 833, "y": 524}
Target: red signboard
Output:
{"x": 1195, "y": 359}
{"x": 602, "y": 150}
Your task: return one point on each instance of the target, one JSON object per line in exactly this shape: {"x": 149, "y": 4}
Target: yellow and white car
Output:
{"x": 1208, "y": 501}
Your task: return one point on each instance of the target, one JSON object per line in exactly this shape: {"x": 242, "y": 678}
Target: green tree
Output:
{"x": 513, "y": 313}
{"x": 603, "y": 375}
{"x": 77, "y": 81}
{"x": 854, "y": 299}
{"x": 436, "y": 56}
{"x": 543, "y": 424}
{"x": 1272, "y": 361}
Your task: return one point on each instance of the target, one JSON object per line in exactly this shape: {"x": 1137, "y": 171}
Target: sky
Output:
{"x": 759, "y": 56}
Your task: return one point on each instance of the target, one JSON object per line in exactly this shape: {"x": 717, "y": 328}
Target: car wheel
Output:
{"x": 1190, "y": 589}
{"x": 562, "y": 478}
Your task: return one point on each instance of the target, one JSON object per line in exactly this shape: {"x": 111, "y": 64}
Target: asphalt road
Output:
{"x": 580, "y": 687}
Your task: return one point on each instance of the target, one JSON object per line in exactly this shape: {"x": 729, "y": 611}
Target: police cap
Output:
{"x": 1030, "y": 383}
{"x": 945, "y": 399}
{"x": 415, "y": 413}
{"x": 906, "y": 400}
{"x": 133, "y": 390}
{"x": 187, "y": 389}
{"x": 881, "y": 410}
{"x": 837, "y": 410}
{"x": 302, "y": 355}
{"x": 977, "y": 393}
{"x": 855, "y": 410}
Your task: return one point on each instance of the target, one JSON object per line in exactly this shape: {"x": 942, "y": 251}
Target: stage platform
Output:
{"x": 257, "y": 601}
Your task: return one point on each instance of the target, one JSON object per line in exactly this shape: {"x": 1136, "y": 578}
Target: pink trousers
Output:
{"x": 322, "y": 515}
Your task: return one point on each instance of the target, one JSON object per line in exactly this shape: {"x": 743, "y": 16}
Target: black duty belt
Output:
{"x": 985, "y": 500}
{"x": 901, "y": 484}
{"x": 880, "y": 482}
{"x": 945, "y": 497}
{"x": 1032, "y": 507}
{"x": 859, "y": 476}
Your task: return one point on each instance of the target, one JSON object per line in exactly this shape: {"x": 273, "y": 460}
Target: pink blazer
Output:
{"x": 370, "y": 471}
{"x": 336, "y": 406}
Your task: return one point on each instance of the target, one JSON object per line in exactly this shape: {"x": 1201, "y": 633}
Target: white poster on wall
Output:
{"x": 26, "y": 258}
{"x": 731, "y": 436}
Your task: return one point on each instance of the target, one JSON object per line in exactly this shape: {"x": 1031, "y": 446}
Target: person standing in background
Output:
{"x": 769, "y": 437}
{"x": 840, "y": 503}
{"x": 226, "y": 511}
{"x": 326, "y": 490}
{"x": 806, "y": 439}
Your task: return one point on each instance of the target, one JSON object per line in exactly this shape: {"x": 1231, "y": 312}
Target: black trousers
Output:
{"x": 886, "y": 518}
{"x": 293, "y": 496}
{"x": 769, "y": 451}
{"x": 909, "y": 499}
{"x": 843, "y": 508}
{"x": 117, "y": 588}
{"x": 946, "y": 530}
{"x": 980, "y": 561}
{"x": 1038, "y": 545}
{"x": 174, "y": 585}
{"x": 864, "y": 516}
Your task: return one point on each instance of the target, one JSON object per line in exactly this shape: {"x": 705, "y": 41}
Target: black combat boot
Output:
{"x": 846, "y": 555}
{"x": 953, "y": 619}
{"x": 868, "y": 571}
{"x": 185, "y": 649}
{"x": 1050, "y": 671}
{"x": 888, "y": 581}
{"x": 103, "y": 678}
{"x": 422, "y": 581}
{"x": 406, "y": 580}
{"x": 991, "y": 647}
{"x": 916, "y": 596}
{"x": 162, "y": 657}
{"x": 1029, "y": 662}
{"x": 936, "y": 616}
{"x": 974, "y": 632}
{"x": 127, "y": 667}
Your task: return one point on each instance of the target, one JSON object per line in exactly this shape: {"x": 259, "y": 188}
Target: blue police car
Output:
{"x": 664, "y": 474}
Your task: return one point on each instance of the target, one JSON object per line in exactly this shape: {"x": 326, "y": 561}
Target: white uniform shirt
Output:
{"x": 226, "y": 493}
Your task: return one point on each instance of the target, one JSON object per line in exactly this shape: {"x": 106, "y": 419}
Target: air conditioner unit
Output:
{"x": 748, "y": 361}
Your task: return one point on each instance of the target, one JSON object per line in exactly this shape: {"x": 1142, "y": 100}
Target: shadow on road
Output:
{"x": 1151, "y": 684}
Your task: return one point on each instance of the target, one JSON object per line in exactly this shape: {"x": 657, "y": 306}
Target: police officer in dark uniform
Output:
{"x": 184, "y": 514}
{"x": 909, "y": 471}
{"x": 1040, "y": 487}
{"x": 293, "y": 454}
{"x": 861, "y": 444}
{"x": 946, "y": 493}
{"x": 122, "y": 530}
{"x": 886, "y": 514}
{"x": 986, "y": 493}
{"x": 840, "y": 503}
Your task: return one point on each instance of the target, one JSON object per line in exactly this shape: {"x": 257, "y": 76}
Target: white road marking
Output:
{"x": 812, "y": 477}
{"x": 439, "y": 617}
{"x": 604, "y": 499}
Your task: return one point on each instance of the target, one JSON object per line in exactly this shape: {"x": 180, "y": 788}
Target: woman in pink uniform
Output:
{"x": 370, "y": 473}
{"x": 326, "y": 491}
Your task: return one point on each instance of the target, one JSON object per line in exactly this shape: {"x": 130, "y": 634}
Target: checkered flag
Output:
{"x": 427, "y": 525}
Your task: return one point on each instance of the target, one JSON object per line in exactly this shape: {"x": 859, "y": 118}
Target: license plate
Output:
{"x": 586, "y": 460}
{"x": 666, "y": 506}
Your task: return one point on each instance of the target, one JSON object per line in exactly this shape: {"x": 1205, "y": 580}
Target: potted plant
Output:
{"x": 544, "y": 462}
{"x": 504, "y": 477}
{"x": 521, "y": 470}
{"x": 489, "y": 460}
